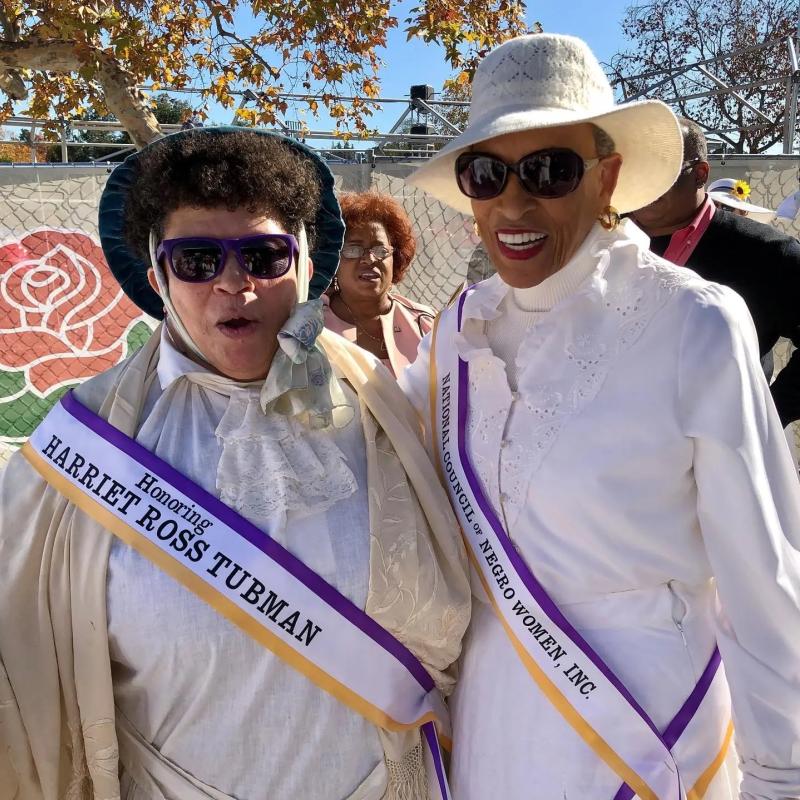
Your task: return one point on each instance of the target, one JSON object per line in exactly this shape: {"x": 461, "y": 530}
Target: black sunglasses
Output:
{"x": 200, "y": 259}
{"x": 688, "y": 166}
{"x": 550, "y": 173}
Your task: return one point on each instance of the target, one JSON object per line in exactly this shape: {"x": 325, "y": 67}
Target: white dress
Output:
{"x": 640, "y": 457}
{"x": 212, "y": 701}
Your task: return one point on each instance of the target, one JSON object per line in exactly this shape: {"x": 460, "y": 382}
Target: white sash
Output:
{"x": 240, "y": 571}
{"x": 573, "y": 677}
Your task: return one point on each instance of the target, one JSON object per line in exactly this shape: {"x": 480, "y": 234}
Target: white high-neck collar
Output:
{"x": 523, "y": 308}
{"x": 560, "y": 285}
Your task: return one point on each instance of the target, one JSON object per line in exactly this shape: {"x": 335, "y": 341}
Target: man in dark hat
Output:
{"x": 757, "y": 261}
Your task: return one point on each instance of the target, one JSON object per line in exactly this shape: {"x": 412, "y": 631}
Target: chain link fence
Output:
{"x": 63, "y": 317}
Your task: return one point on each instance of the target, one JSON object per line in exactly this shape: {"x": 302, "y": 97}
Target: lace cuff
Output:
{"x": 301, "y": 382}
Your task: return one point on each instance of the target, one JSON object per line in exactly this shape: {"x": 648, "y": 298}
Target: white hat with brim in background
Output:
{"x": 723, "y": 191}
{"x": 547, "y": 80}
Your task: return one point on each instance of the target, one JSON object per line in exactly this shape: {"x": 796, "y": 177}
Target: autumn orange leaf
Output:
{"x": 67, "y": 54}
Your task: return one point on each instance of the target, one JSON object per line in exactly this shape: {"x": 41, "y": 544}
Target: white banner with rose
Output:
{"x": 63, "y": 318}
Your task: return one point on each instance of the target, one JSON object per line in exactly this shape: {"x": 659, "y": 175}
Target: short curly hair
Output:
{"x": 234, "y": 170}
{"x": 366, "y": 207}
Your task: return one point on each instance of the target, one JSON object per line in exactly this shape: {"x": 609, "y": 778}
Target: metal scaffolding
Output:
{"x": 422, "y": 124}
{"x": 395, "y": 144}
{"x": 704, "y": 68}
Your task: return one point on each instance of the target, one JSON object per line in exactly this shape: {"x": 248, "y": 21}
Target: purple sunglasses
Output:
{"x": 200, "y": 259}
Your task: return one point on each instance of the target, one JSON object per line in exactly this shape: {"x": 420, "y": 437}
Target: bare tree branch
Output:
{"x": 226, "y": 34}
{"x": 742, "y": 41}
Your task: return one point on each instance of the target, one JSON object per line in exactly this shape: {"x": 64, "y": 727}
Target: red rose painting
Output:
{"x": 63, "y": 317}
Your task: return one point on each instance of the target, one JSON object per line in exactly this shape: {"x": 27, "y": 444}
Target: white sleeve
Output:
{"x": 415, "y": 383}
{"x": 748, "y": 502}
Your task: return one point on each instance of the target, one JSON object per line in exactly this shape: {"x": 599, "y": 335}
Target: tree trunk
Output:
{"x": 122, "y": 98}
{"x": 12, "y": 84}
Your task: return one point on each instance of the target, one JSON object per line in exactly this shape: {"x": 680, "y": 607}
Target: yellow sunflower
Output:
{"x": 741, "y": 189}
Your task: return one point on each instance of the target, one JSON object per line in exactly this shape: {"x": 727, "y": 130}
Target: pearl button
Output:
{"x": 505, "y": 443}
{"x": 503, "y": 497}
{"x": 515, "y": 396}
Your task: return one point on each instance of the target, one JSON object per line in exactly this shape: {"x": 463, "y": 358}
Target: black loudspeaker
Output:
{"x": 421, "y": 130}
{"x": 422, "y": 92}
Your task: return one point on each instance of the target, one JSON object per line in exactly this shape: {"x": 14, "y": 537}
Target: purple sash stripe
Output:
{"x": 679, "y": 722}
{"x": 429, "y": 731}
{"x": 254, "y": 535}
{"x": 525, "y": 573}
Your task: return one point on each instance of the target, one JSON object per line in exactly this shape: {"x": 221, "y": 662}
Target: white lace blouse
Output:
{"x": 639, "y": 456}
{"x": 211, "y": 700}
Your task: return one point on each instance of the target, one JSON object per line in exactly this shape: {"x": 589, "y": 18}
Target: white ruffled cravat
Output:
{"x": 279, "y": 459}
{"x": 273, "y": 468}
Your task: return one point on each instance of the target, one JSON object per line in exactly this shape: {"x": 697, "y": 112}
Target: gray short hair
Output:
{"x": 602, "y": 141}
{"x": 695, "y": 147}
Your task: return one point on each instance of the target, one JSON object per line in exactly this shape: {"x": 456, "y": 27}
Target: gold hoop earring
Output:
{"x": 336, "y": 284}
{"x": 610, "y": 218}
{"x": 475, "y": 227}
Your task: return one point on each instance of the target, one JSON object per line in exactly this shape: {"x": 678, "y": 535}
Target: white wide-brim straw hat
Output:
{"x": 545, "y": 80}
{"x": 722, "y": 191}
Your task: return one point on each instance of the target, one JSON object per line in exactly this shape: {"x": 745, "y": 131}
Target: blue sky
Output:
{"x": 409, "y": 63}
{"x": 415, "y": 62}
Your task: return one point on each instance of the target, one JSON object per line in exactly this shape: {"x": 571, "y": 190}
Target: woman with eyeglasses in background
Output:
{"x": 378, "y": 248}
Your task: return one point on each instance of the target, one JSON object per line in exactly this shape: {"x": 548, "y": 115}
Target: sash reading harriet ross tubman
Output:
{"x": 240, "y": 572}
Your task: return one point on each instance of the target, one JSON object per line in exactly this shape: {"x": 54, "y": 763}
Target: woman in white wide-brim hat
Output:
{"x": 731, "y": 193}
{"x": 610, "y": 446}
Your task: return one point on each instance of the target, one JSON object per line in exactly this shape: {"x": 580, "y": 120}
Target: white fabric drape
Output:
{"x": 204, "y": 669}
{"x": 60, "y": 734}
